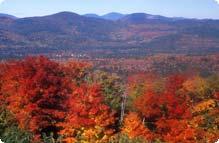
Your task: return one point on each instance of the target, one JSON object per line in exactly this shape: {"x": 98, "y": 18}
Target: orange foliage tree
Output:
{"x": 133, "y": 127}
{"x": 89, "y": 119}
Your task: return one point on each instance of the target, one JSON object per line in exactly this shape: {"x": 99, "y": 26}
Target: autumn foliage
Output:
{"x": 36, "y": 91}
{"x": 88, "y": 119}
{"x": 69, "y": 102}
{"x": 174, "y": 115}
{"x": 133, "y": 127}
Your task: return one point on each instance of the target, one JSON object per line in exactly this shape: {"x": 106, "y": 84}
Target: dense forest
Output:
{"x": 67, "y": 34}
{"x": 160, "y": 64}
{"x": 45, "y": 101}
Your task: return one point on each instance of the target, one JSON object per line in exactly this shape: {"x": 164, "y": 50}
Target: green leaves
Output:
{"x": 9, "y": 131}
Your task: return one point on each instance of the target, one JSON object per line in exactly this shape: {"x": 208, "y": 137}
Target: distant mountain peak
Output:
{"x": 65, "y": 13}
{"x": 114, "y": 13}
{"x": 113, "y": 16}
{"x": 142, "y": 18}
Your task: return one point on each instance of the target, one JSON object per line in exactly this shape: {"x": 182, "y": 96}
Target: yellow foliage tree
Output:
{"x": 196, "y": 87}
{"x": 205, "y": 106}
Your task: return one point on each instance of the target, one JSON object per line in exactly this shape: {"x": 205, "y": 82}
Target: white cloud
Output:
{"x": 217, "y": 1}
{"x": 1, "y": 1}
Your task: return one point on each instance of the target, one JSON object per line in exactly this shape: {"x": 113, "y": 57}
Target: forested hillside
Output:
{"x": 43, "y": 101}
{"x": 68, "y": 35}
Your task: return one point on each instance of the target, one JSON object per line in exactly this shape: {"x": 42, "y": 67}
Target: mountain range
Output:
{"x": 111, "y": 35}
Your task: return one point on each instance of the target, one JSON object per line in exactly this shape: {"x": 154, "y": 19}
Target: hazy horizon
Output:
{"x": 110, "y": 13}
{"x": 201, "y": 9}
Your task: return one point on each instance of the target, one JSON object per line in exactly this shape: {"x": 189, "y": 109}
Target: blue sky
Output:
{"x": 171, "y": 8}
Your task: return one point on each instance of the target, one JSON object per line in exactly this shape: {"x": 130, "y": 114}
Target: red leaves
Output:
{"x": 85, "y": 103}
{"x": 216, "y": 95}
{"x": 36, "y": 90}
{"x": 175, "y": 82}
{"x": 166, "y": 113}
{"x": 168, "y": 105}
{"x": 176, "y": 105}
{"x": 176, "y": 131}
{"x": 148, "y": 105}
